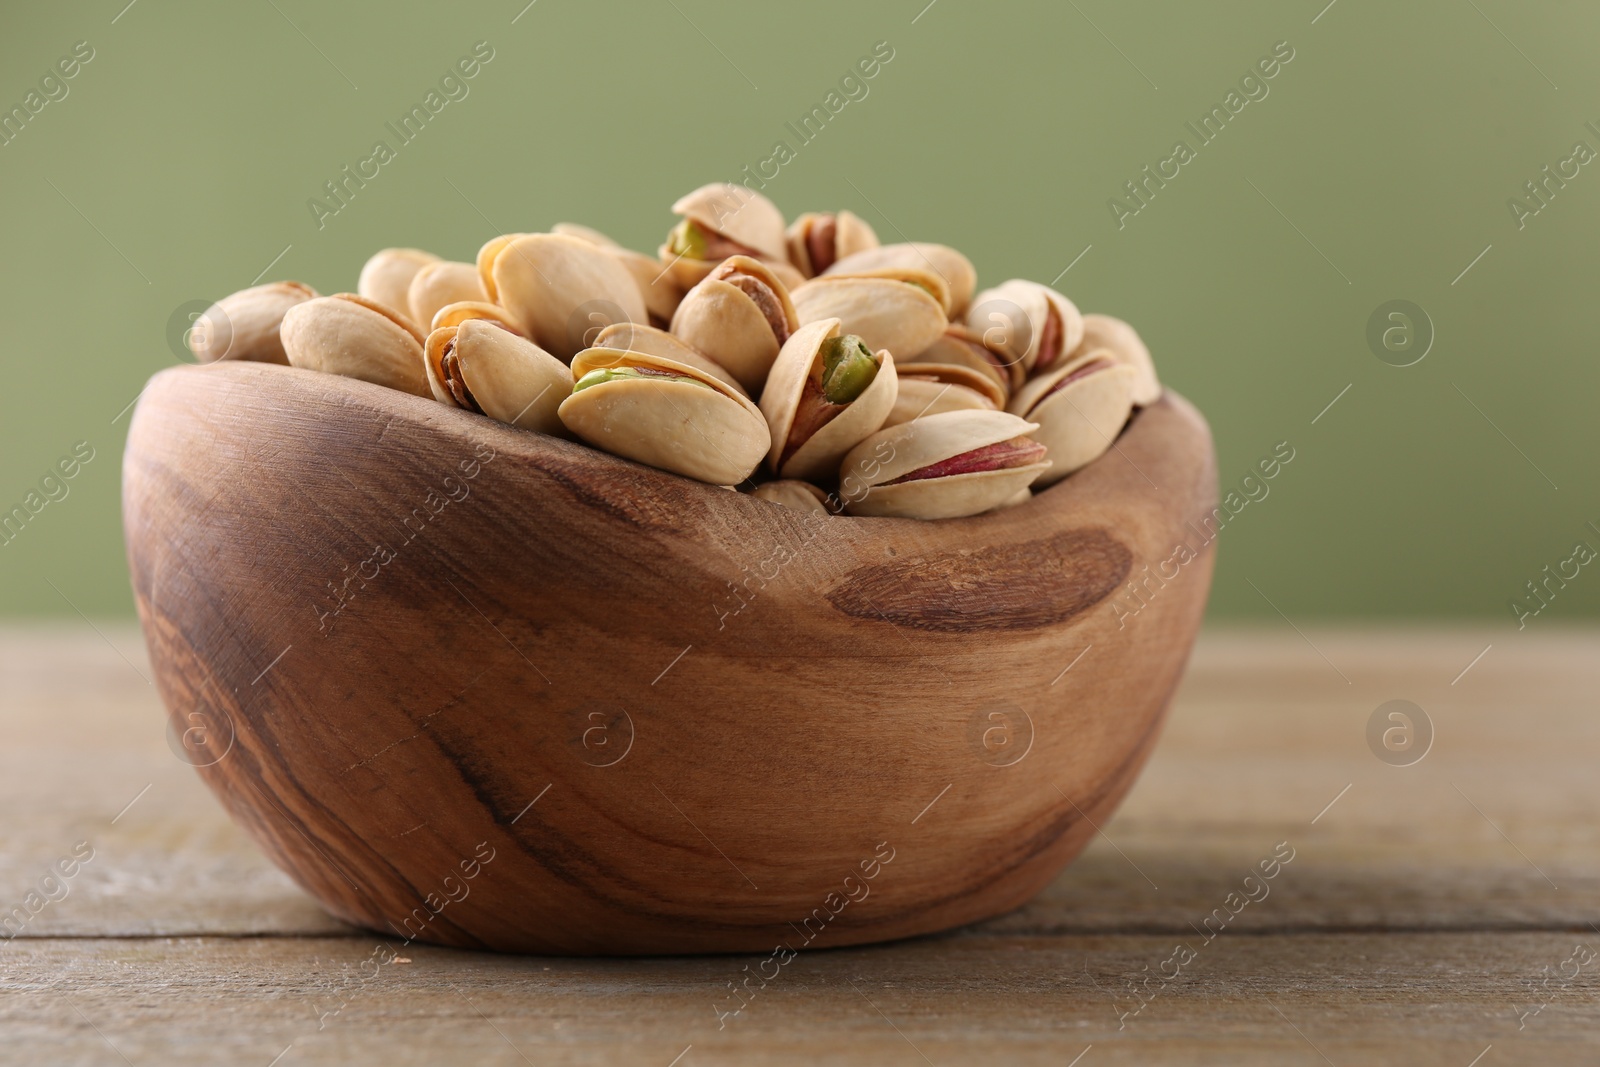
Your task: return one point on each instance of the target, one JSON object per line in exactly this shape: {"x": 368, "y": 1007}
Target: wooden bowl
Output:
{"x": 486, "y": 688}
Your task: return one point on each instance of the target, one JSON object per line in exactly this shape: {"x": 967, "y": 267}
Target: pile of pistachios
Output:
{"x": 807, "y": 364}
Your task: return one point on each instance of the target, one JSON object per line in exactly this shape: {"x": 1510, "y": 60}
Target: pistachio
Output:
{"x": 929, "y": 388}
{"x": 559, "y": 287}
{"x": 666, "y": 414}
{"x": 1080, "y": 409}
{"x": 440, "y": 283}
{"x": 963, "y": 347}
{"x": 1027, "y": 322}
{"x": 954, "y": 270}
{"x": 883, "y": 312}
{"x": 739, "y": 317}
{"x": 244, "y": 325}
{"x": 632, "y": 337}
{"x": 817, "y": 241}
{"x": 942, "y": 466}
{"x": 721, "y": 220}
{"x": 825, "y": 394}
{"x": 386, "y": 277}
{"x": 358, "y": 338}
{"x": 791, "y": 493}
{"x": 1122, "y": 341}
{"x": 456, "y": 314}
{"x": 483, "y": 367}
{"x": 659, "y": 289}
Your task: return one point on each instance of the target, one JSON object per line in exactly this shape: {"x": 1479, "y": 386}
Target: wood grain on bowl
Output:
{"x": 482, "y": 687}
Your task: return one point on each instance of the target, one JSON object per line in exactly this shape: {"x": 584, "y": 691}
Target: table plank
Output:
{"x": 1414, "y": 922}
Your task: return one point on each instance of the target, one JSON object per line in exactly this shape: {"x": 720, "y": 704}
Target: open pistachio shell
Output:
{"x": 386, "y": 277}
{"x": 244, "y": 325}
{"x": 486, "y": 256}
{"x": 456, "y": 314}
{"x": 962, "y": 347}
{"x": 1080, "y": 409}
{"x": 869, "y": 477}
{"x": 929, "y": 388}
{"x": 817, "y": 240}
{"x": 1050, "y": 329}
{"x": 952, "y": 268}
{"x": 486, "y": 368}
{"x": 632, "y": 337}
{"x": 355, "y": 337}
{"x": 438, "y": 284}
{"x": 884, "y": 313}
{"x": 739, "y": 317}
{"x": 660, "y": 290}
{"x": 1124, "y": 342}
{"x": 792, "y": 493}
{"x": 687, "y": 422}
{"x": 793, "y": 399}
{"x": 737, "y": 213}
{"x": 561, "y": 289}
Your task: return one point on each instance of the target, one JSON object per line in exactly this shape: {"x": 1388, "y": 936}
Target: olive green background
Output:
{"x": 1377, "y": 168}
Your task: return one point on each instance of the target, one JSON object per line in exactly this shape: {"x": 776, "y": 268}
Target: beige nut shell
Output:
{"x": 355, "y": 337}
{"x": 961, "y": 346}
{"x": 632, "y": 337}
{"x": 884, "y": 313}
{"x": 738, "y": 213}
{"x": 707, "y": 432}
{"x": 547, "y": 280}
{"x": 512, "y": 379}
{"x": 896, "y": 451}
{"x": 386, "y": 277}
{"x": 659, "y": 289}
{"x": 1124, "y": 342}
{"x": 931, "y": 388}
{"x": 245, "y": 325}
{"x": 1079, "y": 421}
{"x": 1023, "y": 340}
{"x": 439, "y": 284}
{"x": 952, "y": 268}
{"x": 819, "y": 456}
{"x": 852, "y": 234}
{"x": 456, "y": 314}
{"x": 722, "y": 322}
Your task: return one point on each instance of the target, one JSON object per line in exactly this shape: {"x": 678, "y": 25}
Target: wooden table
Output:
{"x": 1430, "y": 914}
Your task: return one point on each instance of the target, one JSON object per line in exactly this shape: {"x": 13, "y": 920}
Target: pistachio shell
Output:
{"x": 659, "y": 289}
{"x": 738, "y": 213}
{"x": 386, "y": 277}
{"x": 896, "y": 451}
{"x": 456, "y": 314}
{"x": 704, "y": 431}
{"x": 486, "y": 256}
{"x": 499, "y": 374}
{"x": 244, "y": 325}
{"x": 1024, "y": 495}
{"x": 961, "y": 346}
{"x": 358, "y": 338}
{"x": 1124, "y": 342}
{"x": 725, "y": 323}
{"x": 1027, "y": 340}
{"x": 951, "y": 267}
{"x": 792, "y": 493}
{"x": 438, "y": 284}
{"x": 632, "y": 337}
{"x": 930, "y": 388}
{"x": 561, "y": 288}
{"x": 851, "y": 234}
{"x": 1079, "y": 420}
{"x": 882, "y": 312}
{"x": 796, "y": 365}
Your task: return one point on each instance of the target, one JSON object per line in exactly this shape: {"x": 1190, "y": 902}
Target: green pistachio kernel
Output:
{"x": 848, "y": 367}
{"x": 602, "y": 375}
{"x": 687, "y": 241}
